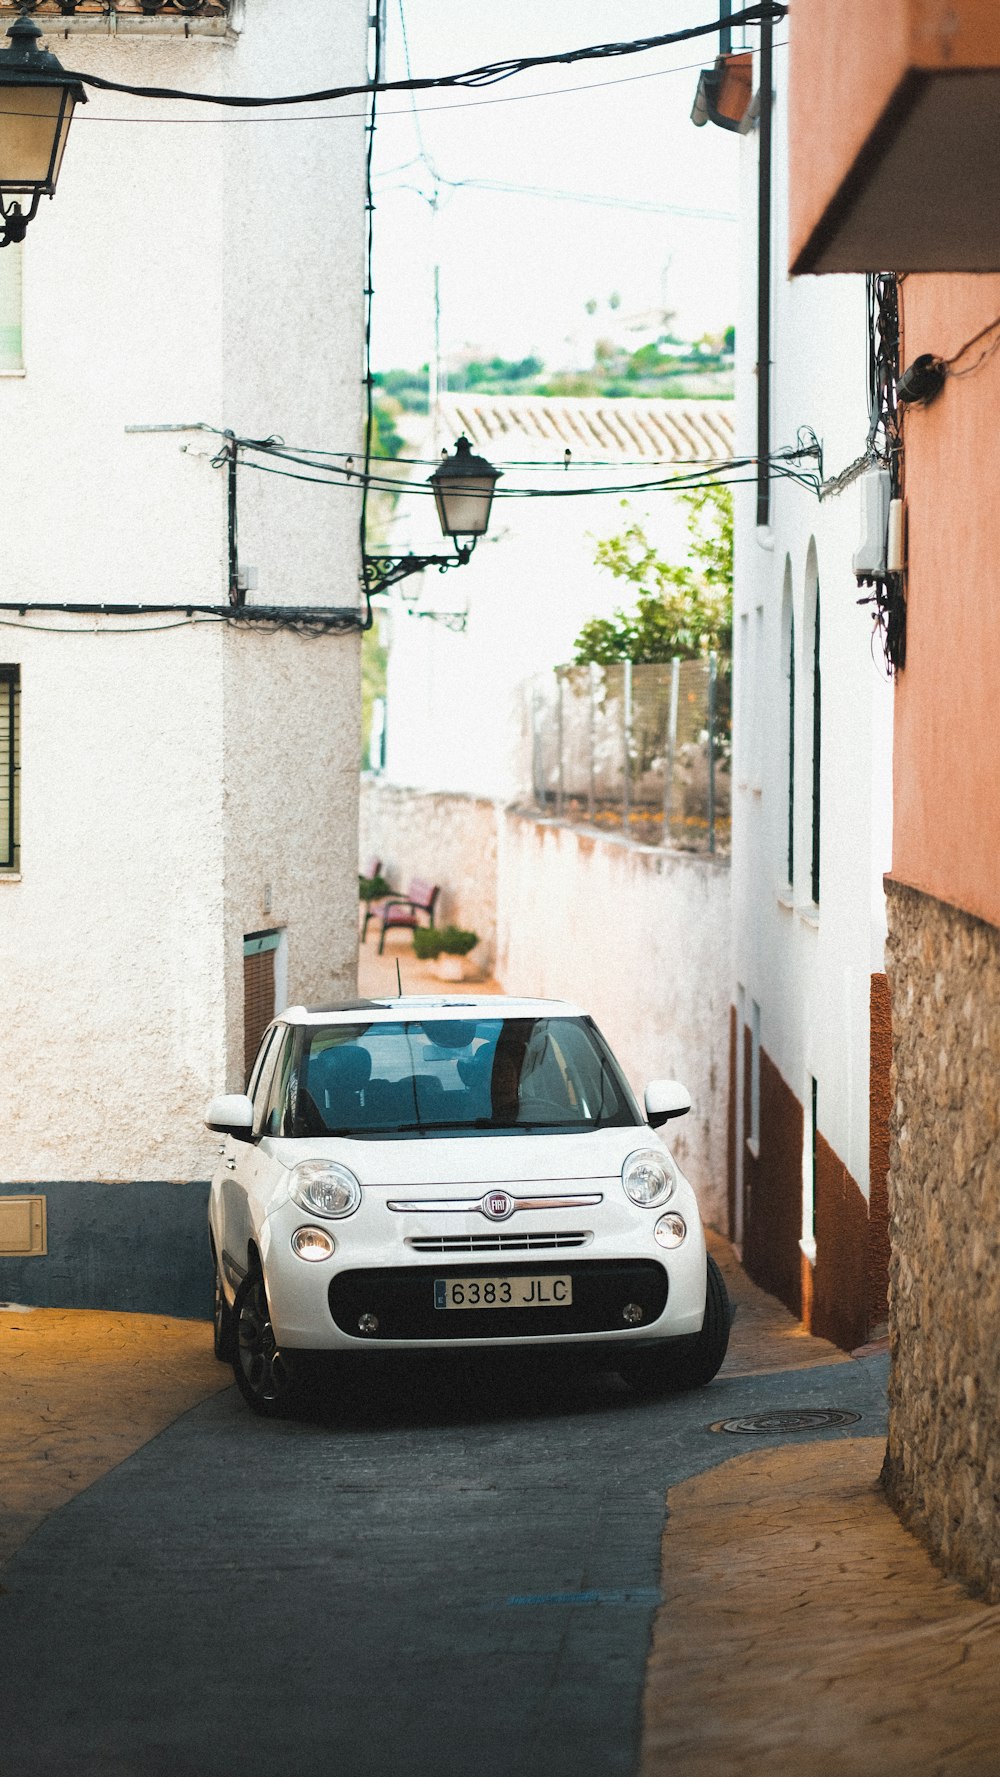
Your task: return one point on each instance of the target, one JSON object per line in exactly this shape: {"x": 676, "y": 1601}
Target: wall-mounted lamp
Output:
{"x": 463, "y": 494}
{"x": 725, "y": 94}
{"x": 37, "y": 100}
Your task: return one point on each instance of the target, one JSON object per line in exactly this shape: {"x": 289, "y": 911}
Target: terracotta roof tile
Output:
{"x": 543, "y": 427}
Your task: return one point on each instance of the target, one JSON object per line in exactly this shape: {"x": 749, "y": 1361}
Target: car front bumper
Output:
{"x": 378, "y": 1289}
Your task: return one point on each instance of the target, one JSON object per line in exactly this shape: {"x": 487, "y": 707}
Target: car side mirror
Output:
{"x": 666, "y": 1099}
{"x": 231, "y": 1114}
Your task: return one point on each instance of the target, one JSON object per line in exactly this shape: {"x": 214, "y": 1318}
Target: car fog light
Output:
{"x": 368, "y": 1323}
{"x": 670, "y": 1230}
{"x": 314, "y": 1244}
{"x": 632, "y": 1313}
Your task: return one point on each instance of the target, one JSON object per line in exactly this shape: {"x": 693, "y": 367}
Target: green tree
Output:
{"x": 681, "y": 608}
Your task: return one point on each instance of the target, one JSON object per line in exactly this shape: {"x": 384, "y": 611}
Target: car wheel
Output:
{"x": 678, "y": 1364}
{"x": 266, "y": 1376}
{"x": 223, "y": 1324}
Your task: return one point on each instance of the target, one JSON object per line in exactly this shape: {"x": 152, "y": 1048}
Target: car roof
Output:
{"x": 425, "y": 1006}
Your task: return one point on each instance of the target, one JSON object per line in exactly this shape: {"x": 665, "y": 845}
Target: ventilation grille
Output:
{"x": 495, "y": 1243}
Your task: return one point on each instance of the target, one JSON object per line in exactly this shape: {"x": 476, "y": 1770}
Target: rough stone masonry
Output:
{"x": 943, "y": 1461}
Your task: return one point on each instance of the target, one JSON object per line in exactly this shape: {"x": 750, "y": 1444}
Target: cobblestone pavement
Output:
{"x": 377, "y": 974}
{"x": 800, "y": 1629}
{"x": 804, "y": 1631}
{"x": 81, "y": 1391}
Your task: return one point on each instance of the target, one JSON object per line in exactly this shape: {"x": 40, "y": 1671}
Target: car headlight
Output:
{"x": 648, "y": 1177}
{"x": 324, "y": 1188}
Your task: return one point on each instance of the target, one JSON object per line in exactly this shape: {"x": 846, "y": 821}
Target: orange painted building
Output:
{"x": 895, "y": 166}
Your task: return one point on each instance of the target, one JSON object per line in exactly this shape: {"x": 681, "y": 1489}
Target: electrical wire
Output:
{"x": 992, "y": 327}
{"x": 487, "y": 74}
{"x": 553, "y": 195}
{"x": 369, "y": 298}
{"x": 552, "y": 92}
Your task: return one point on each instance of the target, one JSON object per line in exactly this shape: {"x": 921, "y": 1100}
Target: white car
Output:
{"x": 445, "y": 1172}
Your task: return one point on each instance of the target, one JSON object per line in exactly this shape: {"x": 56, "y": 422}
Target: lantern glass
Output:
{"x": 463, "y": 507}
{"x": 463, "y": 492}
{"x": 34, "y": 124}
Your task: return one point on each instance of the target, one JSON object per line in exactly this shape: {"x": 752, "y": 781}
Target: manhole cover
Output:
{"x": 786, "y": 1419}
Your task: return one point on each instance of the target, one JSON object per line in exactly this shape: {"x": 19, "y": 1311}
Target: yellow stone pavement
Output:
{"x": 377, "y": 974}
{"x": 82, "y": 1390}
{"x": 805, "y": 1633}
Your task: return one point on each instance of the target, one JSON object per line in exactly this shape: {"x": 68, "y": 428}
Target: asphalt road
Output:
{"x": 455, "y": 1577}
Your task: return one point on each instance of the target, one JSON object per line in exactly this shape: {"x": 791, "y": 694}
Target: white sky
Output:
{"x": 515, "y": 270}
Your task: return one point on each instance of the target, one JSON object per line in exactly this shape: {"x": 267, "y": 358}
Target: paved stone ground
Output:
{"x": 803, "y": 1630}
{"x": 377, "y": 974}
{"x": 461, "y": 1574}
{"x": 81, "y": 1391}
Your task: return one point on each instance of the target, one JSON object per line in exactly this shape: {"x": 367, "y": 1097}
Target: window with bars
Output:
{"x": 11, "y": 354}
{"x": 82, "y": 10}
{"x": 816, "y": 748}
{"x": 218, "y": 19}
{"x": 790, "y": 813}
{"x": 10, "y": 768}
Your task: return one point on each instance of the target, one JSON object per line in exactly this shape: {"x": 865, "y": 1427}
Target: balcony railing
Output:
{"x": 642, "y": 750}
{"x": 185, "y": 17}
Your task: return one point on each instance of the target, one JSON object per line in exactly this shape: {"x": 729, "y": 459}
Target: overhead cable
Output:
{"x": 488, "y": 74}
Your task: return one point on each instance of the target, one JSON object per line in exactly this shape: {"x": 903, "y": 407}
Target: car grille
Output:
{"x": 495, "y": 1243}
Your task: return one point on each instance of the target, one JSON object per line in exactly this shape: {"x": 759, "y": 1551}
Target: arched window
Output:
{"x": 788, "y": 669}
{"x": 812, "y": 665}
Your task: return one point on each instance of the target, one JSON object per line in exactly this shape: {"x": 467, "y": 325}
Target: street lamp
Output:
{"x": 37, "y": 100}
{"x": 463, "y": 494}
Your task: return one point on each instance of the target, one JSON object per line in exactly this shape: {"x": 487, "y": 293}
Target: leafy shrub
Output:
{"x": 455, "y": 942}
{"x": 373, "y": 888}
{"x": 426, "y": 944}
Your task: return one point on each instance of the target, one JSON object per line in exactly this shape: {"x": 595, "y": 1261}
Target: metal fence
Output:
{"x": 643, "y": 749}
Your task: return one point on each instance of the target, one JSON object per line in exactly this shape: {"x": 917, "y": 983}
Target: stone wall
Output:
{"x": 943, "y": 1461}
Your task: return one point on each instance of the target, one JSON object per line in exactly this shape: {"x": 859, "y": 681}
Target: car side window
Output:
{"x": 275, "y": 1121}
{"x": 261, "y": 1093}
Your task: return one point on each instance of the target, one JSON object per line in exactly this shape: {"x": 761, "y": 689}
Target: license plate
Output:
{"x": 503, "y": 1292}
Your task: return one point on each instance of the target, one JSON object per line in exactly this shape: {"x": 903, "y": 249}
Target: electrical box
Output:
{"x": 869, "y": 562}
{"x": 22, "y": 1227}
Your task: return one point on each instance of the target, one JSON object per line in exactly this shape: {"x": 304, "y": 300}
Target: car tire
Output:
{"x": 675, "y": 1365}
{"x": 266, "y": 1376}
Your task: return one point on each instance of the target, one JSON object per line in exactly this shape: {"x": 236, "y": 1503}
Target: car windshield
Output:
{"x": 455, "y": 1077}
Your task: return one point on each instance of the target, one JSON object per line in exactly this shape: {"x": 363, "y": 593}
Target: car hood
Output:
{"x": 477, "y": 1160}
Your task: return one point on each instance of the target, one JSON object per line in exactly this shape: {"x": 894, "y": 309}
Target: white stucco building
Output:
{"x": 811, "y": 815}
{"x": 455, "y": 696}
{"x": 187, "y": 785}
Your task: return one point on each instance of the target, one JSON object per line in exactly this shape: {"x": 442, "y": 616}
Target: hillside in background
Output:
{"x": 658, "y": 365}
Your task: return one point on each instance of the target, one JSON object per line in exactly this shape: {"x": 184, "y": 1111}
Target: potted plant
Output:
{"x": 373, "y": 888}
{"x": 449, "y": 947}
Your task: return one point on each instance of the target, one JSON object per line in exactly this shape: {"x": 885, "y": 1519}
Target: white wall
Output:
{"x": 453, "y": 700}
{"x": 640, "y": 939}
{"x": 808, "y": 969}
{"x": 200, "y": 271}
{"x": 636, "y": 936}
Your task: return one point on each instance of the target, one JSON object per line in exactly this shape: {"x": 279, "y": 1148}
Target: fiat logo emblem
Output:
{"x": 498, "y": 1205}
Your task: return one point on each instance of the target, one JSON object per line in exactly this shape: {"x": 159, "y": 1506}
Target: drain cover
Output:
{"x": 786, "y": 1419}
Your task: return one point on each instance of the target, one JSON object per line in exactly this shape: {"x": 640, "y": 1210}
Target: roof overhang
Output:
{"x": 895, "y": 146}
